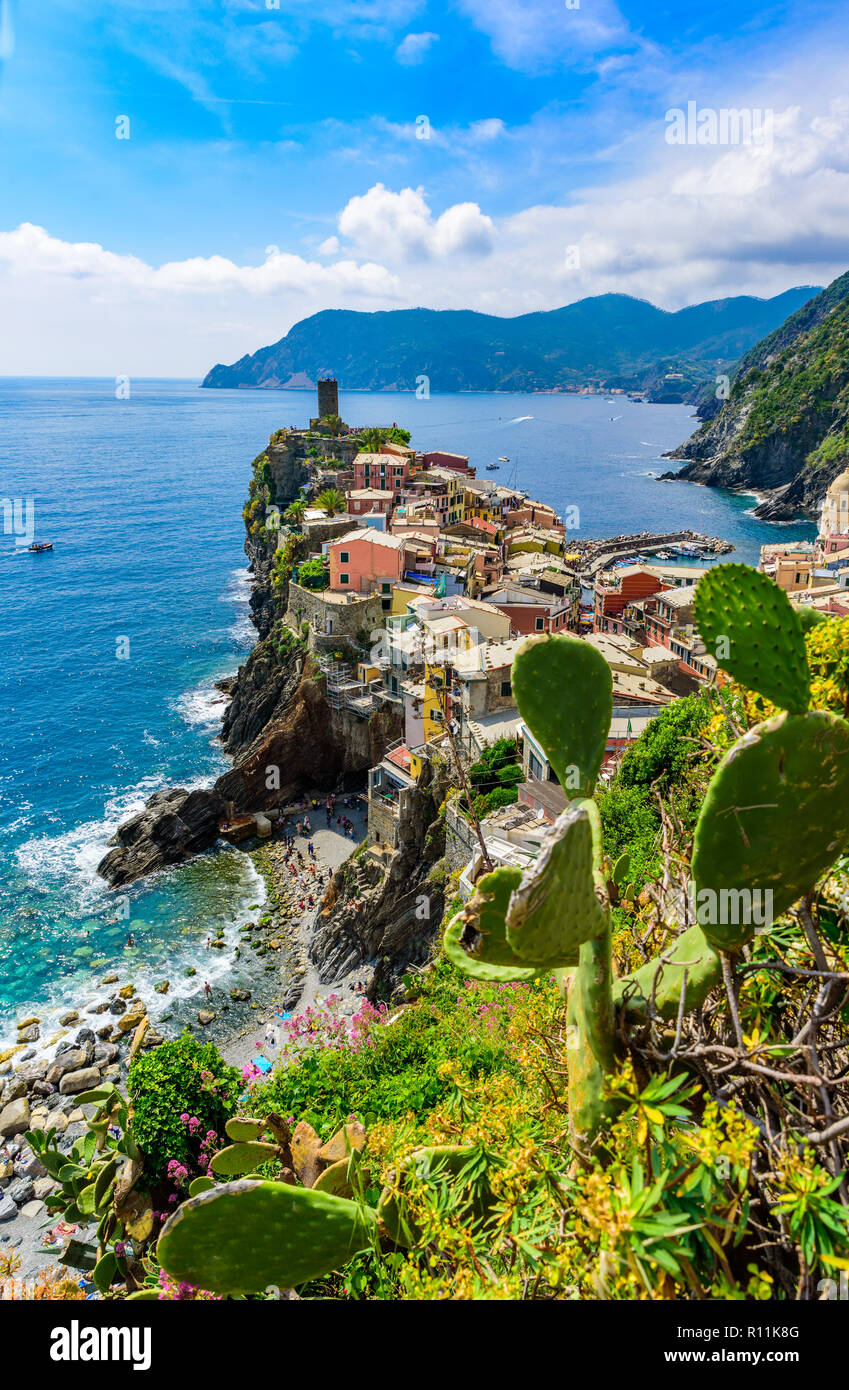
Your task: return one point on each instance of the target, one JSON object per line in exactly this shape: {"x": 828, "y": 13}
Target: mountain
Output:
{"x": 784, "y": 428}
{"x": 610, "y": 338}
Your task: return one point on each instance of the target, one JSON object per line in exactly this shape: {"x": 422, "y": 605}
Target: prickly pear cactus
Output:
{"x": 691, "y": 958}
{"x": 557, "y": 906}
{"x": 564, "y": 690}
{"x": 475, "y": 940}
{"x": 241, "y": 1158}
{"x": 775, "y": 816}
{"x": 243, "y": 1236}
{"x": 750, "y": 626}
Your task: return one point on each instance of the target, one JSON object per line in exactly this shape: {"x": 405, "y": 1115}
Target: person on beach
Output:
{"x": 207, "y": 989}
{"x": 311, "y": 849}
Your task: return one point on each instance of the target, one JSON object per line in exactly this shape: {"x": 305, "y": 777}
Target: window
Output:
{"x": 386, "y": 588}
{"x": 343, "y": 557}
{"x": 344, "y": 579}
{"x": 540, "y": 624}
{"x": 506, "y": 688}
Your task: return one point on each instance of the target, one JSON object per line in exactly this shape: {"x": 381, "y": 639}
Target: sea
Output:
{"x": 111, "y": 644}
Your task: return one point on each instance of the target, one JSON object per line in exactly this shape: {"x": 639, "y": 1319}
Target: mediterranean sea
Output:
{"x": 110, "y": 644}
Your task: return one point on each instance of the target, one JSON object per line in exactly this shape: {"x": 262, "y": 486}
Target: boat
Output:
{"x": 663, "y": 555}
{"x": 503, "y": 459}
{"x": 38, "y": 546}
{"x": 491, "y": 466}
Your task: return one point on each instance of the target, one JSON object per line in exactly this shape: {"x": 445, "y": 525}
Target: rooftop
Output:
{"x": 373, "y": 537}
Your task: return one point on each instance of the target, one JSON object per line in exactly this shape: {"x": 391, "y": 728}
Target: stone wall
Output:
{"x": 460, "y": 839}
{"x": 344, "y": 619}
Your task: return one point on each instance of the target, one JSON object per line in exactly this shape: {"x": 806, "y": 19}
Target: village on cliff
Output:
{"x": 422, "y": 580}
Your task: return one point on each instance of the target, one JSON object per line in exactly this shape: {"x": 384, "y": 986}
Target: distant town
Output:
{"x": 422, "y": 579}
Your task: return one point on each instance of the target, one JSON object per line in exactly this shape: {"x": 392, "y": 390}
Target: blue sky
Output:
{"x": 274, "y": 164}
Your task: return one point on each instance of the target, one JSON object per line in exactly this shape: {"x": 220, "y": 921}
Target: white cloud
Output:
{"x": 706, "y": 222}
{"x": 539, "y": 34}
{"x": 415, "y": 48}
{"x": 401, "y": 226}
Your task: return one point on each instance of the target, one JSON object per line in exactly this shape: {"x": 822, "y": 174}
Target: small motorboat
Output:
{"x": 491, "y": 466}
{"x": 38, "y": 546}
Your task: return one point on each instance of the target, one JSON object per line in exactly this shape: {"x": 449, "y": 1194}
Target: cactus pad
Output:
{"x": 556, "y": 908}
{"x": 564, "y": 690}
{"x": 242, "y": 1158}
{"x": 243, "y": 1128}
{"x": 749, "y": 625}
{"x": 243, "y": 1236}
{"x": 692, "y": 954}
{"x": 475, "y": 939}
{"x": 775, "y": 817}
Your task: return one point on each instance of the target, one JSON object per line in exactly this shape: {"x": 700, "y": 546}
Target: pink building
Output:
{"x": 366, "y": 561}
{"x": 369, "y": 499}
{"x": 385, "y": 472}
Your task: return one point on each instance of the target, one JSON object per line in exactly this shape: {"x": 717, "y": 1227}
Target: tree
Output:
{"x": 331, "y": 500}
{"x": 334, "y": 423}
{"x": 295, "y": 512}
{"x": 371, "y": 439}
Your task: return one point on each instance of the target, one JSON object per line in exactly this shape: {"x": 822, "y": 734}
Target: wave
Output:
{"x": 202, "y": 707}
{"x": 518, "y": 419}
{"x": 238, "y": 591}
{"x": 69, "y": 861}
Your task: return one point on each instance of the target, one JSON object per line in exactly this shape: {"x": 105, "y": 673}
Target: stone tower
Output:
{"x": 328, "y": 397}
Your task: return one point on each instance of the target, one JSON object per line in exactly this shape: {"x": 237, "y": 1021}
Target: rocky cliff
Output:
{"x": 784, "y": 429}
{"x": 379, "y": 918}
{"x": 279, "y": 728}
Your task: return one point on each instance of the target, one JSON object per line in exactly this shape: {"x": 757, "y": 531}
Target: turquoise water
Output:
{"x": 110, "y": 644}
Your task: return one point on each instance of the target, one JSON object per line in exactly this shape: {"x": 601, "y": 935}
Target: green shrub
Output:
{"x": 185, "y": 1077}
{"x": 398, "y": 1068}
{"x": 492, "y": 801}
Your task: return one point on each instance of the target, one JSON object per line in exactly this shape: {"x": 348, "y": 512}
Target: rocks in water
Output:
{"x": 15, "y": 1087}
{"x": 33, "y": 1071}
{"x": 8, "y": 1210}
{"x": 106, "y": 1052}
{"x": 14, "y": 1118}
{"x": 174, "y": 824}
{"x": 240, "y": 995}
{"x": 152, "y": 1039}
{"x": 205, "y": 1017}
{"x": 162, "y": 987}
{"x": 99, "y": 1008}
{"x": 71, "y": 1060}
{"x": 126, "y": 991}
{"x": 118, "y": 1007}
{"x": 65, "y": 1020}
{"x": 129, "y": 1021}
{"x": 75, "y": 1081}
{"x": 30, "y": 1032}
